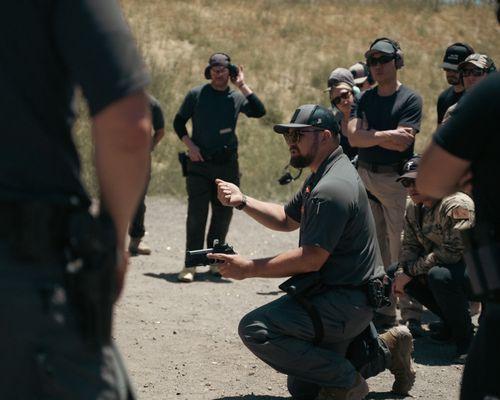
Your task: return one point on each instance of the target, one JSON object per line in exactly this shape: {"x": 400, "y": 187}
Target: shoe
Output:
{"x": 135, "y": 247}
{"x": 463, "y": 347}
{"x": 400, "y": 343}
{"x": 214, "y": 270}
{"x": 415, "y": 328}
{"x": 382, "y": 321}
{"x": 356, "y": 392}
{"x": 187, "y": 275}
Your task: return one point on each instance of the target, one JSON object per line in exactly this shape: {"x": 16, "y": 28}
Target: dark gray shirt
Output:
{"x": 334, "y": 214}
{"x": 49, "y": 48}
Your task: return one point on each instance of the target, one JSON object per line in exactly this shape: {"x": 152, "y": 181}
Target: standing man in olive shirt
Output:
{"x": 383, "y": 126}
{"x": 454, "y": 55}
{"x": 55, "y": 338}
{"x": 212, "y": 148}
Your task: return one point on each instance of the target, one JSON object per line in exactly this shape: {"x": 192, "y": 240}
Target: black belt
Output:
{"x": 377, "y": 168}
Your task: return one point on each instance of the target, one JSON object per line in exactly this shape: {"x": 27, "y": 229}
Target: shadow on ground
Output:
{"x": 384, "y": 396}
{"x": 251, "y": 397}
{"x": 200, "y": 277}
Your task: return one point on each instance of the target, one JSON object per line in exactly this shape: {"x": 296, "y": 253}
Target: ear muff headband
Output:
{"x": 398, "y": 53}
{"x": 233, "y": 69}
{"x": 464, "y": 45}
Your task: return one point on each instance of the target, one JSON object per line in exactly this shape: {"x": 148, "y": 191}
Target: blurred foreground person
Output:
{"x": 212, "y": 149}
{"x": 466, "y": 149}
{"x": 62, "y": 268}
{"x": 329, "y": 303}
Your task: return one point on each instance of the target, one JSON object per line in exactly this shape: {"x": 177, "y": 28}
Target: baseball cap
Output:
{"x": 340, "y": 78}
{"x": 382, "y": 46}
{"x": 219, "y": 59}
{"x": 310, "y": 115}
{"x": 359, "y": 72}
{"x": 410, "y": 168}
{"x": 479, "y": 60}
{"x": 455, "y": 54}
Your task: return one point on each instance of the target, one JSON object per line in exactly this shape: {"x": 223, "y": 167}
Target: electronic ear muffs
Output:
{"x": 464, "y": 45}
{"x": 233, "y": 69}
{"x": 398, "y": 53}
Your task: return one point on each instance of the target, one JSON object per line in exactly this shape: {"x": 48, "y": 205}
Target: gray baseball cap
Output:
{"x": 360, "y": 73}
{"x": 340, "y": 78}
{"x": 381, "y": 46}
{"x": 309, "y": 115}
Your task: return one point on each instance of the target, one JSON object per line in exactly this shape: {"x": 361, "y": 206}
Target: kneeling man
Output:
{"x": 307, "y": 337}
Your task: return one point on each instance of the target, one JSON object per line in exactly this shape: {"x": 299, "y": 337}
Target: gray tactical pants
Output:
{"x": 281, "y": 334}
{"x": 42, "y": 352}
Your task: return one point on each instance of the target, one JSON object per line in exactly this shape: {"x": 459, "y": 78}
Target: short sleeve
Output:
{"x": 294, "y": 207}
{"x": 357, "y": 108}
{"x": 156, "y": 114}
{"x": 325, "y": 222}
{"x": 411, "y": 113}
{"x": 466, "y": 133}
{"x": 98, "y": 50}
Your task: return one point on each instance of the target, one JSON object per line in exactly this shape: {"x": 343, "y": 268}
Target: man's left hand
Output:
{"x": 233, "y": 265}
{"x": 239, "y": 80}
{"x": 400, "y": 281}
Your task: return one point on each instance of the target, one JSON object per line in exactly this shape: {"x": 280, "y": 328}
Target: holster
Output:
{"x": 183, "y": 160}
{"x": 482, "y": 258}
{"x": 378, "y": 291}
{"x": 91, "y": 274}
{"x": 301, "y": 287}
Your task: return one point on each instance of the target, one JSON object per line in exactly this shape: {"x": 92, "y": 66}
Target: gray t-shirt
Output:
{"x": 334, "y": 214}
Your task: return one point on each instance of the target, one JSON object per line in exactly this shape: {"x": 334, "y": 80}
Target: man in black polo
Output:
{"x": 337, "y": 254}
{"x": 383, "y": 126}
{"x": 62, "y": 268}
{"x": 454, "y": 55}
{"x": 212, "y": 148}
{"x": 137, "y": 230}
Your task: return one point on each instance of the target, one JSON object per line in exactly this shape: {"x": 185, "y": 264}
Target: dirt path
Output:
{"x": 179, "y": 341}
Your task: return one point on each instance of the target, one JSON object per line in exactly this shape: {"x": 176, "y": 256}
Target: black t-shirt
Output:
{"x": 472, "y": 134}
{"x": 50, "y": 47}
{"x": 445, "y": 100}
{"x": 157, "y": 119}
{"x": 334, "y": 214}
{"x": 214, "y": 115}
{"x": 403, "y": 108}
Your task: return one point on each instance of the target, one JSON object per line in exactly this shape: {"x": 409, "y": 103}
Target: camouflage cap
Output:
{"x": 479, "y": 60}
{"x": 410, "y": 168}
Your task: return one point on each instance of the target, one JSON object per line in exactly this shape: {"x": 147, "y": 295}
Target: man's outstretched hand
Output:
{"x": 228, "y": 193}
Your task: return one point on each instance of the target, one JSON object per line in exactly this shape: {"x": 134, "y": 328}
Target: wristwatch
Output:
{"x": 243, "y": 203}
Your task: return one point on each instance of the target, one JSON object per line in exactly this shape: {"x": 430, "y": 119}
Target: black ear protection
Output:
{"x": 287, "y": 177}
{"x": 233, "y": 69}
{"x": 398, "y": 53}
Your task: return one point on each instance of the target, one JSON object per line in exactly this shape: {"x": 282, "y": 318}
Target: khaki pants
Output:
{"x": 389, "y": 220}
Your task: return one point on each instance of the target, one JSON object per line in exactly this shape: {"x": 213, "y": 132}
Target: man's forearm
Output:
{"x": 122, "y": 137}
{"x": 366, "y": 138}
{"x": 270, "y": 215}
{"x": 291, "y": 262}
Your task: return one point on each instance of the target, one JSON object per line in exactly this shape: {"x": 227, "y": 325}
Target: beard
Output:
{"x": 304, "y": 160}
{"x": 453, "y": 80}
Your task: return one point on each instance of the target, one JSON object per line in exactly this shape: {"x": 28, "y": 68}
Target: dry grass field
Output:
{"x": 288, "y": 48}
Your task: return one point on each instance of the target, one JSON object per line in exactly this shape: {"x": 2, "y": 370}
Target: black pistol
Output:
{"x": 196, "y": 258}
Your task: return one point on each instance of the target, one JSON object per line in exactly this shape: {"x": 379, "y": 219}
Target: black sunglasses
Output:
{"x": 293, "y": 136}
{"x": 407, "y": 182}
{"x": 384, "y": 59}
{"x": 343, "y": 96}
{"x": 472, "y": 71}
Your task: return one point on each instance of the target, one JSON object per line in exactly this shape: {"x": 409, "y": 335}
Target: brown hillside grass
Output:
{"x": 288, "y": 49}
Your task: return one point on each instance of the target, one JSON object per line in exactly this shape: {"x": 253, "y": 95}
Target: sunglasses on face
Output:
{"x": 472, "y": 72}
{"x": 407, "y": 182}
{"x": 373, "y": 61}
{"x": 293, "y": 136}
{"x": 344, "y": 96}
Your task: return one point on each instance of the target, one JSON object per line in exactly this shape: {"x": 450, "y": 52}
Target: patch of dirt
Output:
{"x": 180, "y": 341}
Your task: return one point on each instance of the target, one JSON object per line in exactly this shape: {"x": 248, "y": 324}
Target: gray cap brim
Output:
{"x": 359, "y": 81}
{"x": 411, "y": 175}
{"x": 453, "y": 67}
{"x": 283, "y": 128}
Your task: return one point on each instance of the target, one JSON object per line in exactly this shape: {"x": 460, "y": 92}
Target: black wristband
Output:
{"x": 243, "y": 203}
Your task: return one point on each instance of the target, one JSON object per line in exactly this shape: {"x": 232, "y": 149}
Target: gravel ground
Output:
{"x": 179, "y": 341}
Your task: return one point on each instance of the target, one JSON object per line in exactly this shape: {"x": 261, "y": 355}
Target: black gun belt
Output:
{"x": 377, "y": 168}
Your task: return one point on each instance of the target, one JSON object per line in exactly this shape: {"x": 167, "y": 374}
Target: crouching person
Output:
{"x": 431, "y": 267}
{"x": 306, "y": 333}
